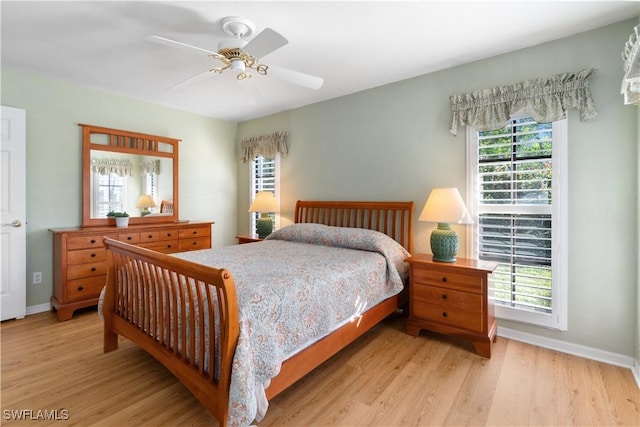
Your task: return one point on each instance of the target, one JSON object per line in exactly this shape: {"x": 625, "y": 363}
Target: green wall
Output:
{"x": 208, "y": 167}
{"x": 392, "y": 143}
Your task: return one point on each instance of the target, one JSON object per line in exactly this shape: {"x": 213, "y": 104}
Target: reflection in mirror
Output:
{"x": 124, "y": 171}
{"x": 131, "y": 183}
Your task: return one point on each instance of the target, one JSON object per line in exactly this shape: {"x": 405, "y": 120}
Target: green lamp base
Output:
{"x": 444, "y": 243}
{"x": 264, "y": 226}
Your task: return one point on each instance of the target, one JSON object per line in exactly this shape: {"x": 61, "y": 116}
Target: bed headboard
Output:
{"x": 394, "y": 219}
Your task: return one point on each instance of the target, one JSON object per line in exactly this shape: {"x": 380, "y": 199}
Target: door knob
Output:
{"x": 15, "y": 223}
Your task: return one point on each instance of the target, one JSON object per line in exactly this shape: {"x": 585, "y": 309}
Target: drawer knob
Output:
{"x": 93, "y": 240}
{"x": 195, "y": 232}
{"x": 444, "y": 279}
{"x": 444, "y": 314}
{"x": 93, "y": 255}
{"x": 168, "y": 234}
{"x": 169, "y": 246}
{"x": 195, "y": 243}
{"x": 150, "y": 236}
{"x": 444, "y": 296}
{"x": 80, "y": 288}
{"x": 129, "y": 238}
{"x": 93, "y": 269}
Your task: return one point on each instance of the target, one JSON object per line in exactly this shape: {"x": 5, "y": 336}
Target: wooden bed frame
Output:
{"x": 137, "y": 278}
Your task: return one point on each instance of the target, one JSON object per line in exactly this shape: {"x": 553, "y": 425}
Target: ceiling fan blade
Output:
{"x": 168, "y": 42}
{"x": 296, "y": 77}
{"x": 265, "y": 43}
{"x": 188, "y": 81}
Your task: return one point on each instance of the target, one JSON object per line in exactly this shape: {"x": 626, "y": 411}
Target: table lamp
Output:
{"x": 265, "y": 203}
{"x": 445, "y": 206}
{"x": 145, "y": 202}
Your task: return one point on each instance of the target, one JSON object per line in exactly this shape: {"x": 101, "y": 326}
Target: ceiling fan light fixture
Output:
{"x": 238, "y": 65}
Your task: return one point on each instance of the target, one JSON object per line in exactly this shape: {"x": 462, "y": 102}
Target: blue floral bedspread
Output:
{"x": 294, "y": 288}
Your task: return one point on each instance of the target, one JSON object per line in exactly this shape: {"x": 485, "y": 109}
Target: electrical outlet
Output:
{"x": 37, "y": 277}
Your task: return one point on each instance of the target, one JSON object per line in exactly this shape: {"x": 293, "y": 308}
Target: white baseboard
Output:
{"x": 575, "y": 349}
{"x": 40, "y": 308}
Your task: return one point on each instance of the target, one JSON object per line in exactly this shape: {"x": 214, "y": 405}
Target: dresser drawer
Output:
{"x": 164, "y": 246}
{"x": 169, "y": 234}
{"x": 149, "y": 236}
{"x": 195, "y": 232}
{"x": 87, "y": 241}
{"x": 448, "y": 299}
{"x": 86, "y": 255}
{"x": 461, "y": 282}
{"x": 86, "y": 270}
{"x": 460, "y": 319}
{"x": 195, "y": 243}
{"x": 132, "y": 238}
{"x": 86, "y": 288}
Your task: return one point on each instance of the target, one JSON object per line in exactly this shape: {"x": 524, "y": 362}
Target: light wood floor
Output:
{"x": 386, "y": 378}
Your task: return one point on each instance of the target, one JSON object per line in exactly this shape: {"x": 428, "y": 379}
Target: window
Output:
{"x": 110, "y": 194}
{"x": 265, "y": 176}
{"x": 517, "y": 192}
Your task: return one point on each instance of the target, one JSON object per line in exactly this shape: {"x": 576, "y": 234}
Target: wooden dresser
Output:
{"x": 80, "y": 263}
{"x": 452, "y": 298}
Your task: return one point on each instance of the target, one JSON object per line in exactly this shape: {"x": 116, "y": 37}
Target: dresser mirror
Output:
{"x": 130, "y": 172}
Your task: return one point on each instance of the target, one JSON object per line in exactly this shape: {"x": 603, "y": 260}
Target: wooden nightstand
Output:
{"x": 452, "y": 298}
{"x": 248, "y": 238}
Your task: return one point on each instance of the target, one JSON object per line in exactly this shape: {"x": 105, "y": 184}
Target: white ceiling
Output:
{"x": 352, "y": 45}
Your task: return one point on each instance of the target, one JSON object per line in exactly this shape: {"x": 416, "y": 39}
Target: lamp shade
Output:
{"x": 264, "y": 202}
{"x": 445, "y": 205}
{"x": 145, "y": 201}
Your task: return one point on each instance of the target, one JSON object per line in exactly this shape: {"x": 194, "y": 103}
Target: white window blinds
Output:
{"x": 514, "y": 196}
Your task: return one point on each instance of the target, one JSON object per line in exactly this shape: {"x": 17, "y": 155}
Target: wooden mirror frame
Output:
{"x": 122, "y": 141}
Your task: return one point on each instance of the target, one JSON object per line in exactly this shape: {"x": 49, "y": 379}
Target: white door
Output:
{"x": 13, "y": 215}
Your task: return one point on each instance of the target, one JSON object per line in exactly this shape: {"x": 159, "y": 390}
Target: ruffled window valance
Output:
{"x": 107, "y": 167}
{"x": 151, "y": 166}
{"x": 545, "y": 100}
{"x": 265, "y": 145}
{"x": 631, "y": 57}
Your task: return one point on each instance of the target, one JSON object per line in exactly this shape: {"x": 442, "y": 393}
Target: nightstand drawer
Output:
{"x": 448, "y": 298}
{"x": 461, "y": 319}
{"x": 463, "y": 282}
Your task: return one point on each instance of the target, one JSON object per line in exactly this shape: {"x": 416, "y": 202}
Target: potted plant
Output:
{"x": 122, "y": 218}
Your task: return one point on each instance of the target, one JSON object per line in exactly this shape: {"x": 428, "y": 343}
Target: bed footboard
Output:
{"x": 177, "y": 311}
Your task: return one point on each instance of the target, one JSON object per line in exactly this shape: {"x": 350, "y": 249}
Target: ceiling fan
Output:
{"x": 242, "y": 56}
